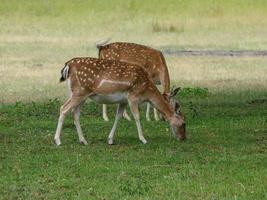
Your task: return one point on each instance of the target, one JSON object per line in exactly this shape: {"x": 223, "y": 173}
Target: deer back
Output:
{"x": 105, "y": 76}
{"x": 151, "y": 59}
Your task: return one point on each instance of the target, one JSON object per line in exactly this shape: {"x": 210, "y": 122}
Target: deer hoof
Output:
{"x": 106, "y": 119}
{"x": 143, "y": 140}
{"x": 83, "y": 142}
{"x": 156, "y": 118}
{"x": 110, "y": 141}
{"x": 57, "y": 141}
{"x": 127, "y": 117}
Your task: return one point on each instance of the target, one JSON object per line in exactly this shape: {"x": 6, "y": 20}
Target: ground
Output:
{"x": 224, "y": 100}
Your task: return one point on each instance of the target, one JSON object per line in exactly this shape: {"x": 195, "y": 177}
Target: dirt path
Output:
{"x": 214, "y": 53}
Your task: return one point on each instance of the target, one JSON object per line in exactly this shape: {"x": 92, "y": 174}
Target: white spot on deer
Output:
{"x": 104, "y": 81}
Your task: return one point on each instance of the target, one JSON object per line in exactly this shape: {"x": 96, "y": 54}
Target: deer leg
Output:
{"x": 76, "y": 116}
{"x": 60, "y": 122}
{"x": 65, "y": 108}
{"x": 147, "y": 111}
{"x": 120, "y": 110}
{"x": 156, "y": 114}
{"x": 105, "y": 115}
{"x": 125, "y": 115}
{"x": 136, "y": 115}
{"x": 161, "y": 117}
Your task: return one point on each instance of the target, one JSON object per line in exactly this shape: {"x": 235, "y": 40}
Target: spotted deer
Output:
{"x": 150, "y": 59}
{"x": 109, "y": 82}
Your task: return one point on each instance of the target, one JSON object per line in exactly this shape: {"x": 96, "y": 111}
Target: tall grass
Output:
{"x": 217, "y": 24}
{"x": 34, "y": 80}
{"x": 37, "y": 37}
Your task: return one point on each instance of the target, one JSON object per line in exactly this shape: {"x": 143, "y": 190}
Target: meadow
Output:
{"x": 224, "y": 100}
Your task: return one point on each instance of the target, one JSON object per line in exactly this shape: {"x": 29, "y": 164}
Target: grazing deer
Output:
{"x": 150, "y": 59}
{"x": 111, "y": 81}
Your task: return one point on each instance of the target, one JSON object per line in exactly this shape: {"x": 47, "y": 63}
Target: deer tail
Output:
{"x": 64, "y": 73}
{"x": 102, "y": 43}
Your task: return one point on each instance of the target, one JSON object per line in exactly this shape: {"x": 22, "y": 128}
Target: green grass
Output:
{"x": 225, "y": 156}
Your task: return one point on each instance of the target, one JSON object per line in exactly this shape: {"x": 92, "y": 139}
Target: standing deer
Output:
{"x": 111, "y": 81}
{"x": 150, "y": 59}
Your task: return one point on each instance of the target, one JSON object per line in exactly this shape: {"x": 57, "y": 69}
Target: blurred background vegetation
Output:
{"x": 38, "y": 37}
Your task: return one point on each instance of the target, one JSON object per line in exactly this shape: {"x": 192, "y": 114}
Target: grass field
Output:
{"x": 225, "y": 156}
{"x": 224, "y": 100}
{"x": 219, "y": 74}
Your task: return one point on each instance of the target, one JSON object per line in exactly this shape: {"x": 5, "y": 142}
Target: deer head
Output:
{"x": 178, "y": 120}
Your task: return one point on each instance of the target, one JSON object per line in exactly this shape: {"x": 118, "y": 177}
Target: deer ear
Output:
{"x": 177, "y": 107}
{"x": 175, "y": 91}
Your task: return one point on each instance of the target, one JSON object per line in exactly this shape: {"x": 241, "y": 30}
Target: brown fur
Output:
{"x": 150, "y": 59}
{"x": 90, "y": 77}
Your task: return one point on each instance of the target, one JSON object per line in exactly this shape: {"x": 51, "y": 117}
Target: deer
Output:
{"x": 114, "y": 82}
{"x": 150, "y": 59}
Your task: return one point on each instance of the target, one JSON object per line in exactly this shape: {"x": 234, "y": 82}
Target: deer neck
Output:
{"x": 162, "y": 105}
